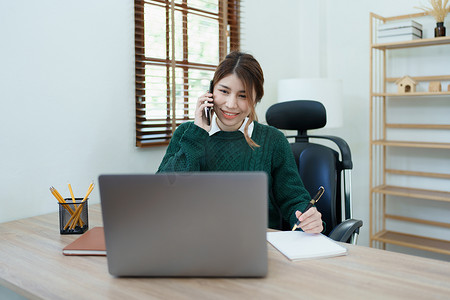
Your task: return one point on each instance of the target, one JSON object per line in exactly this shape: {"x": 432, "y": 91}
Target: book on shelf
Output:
{"x": 400, "y": 31}
{"x": 399, "y": 24}
{"x": 397, "y": 38}
{"x": 92, "y": 242}
{"x": 298, "y": 245}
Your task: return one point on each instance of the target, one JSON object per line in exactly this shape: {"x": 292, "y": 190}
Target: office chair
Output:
{"x": 320, "y": 165}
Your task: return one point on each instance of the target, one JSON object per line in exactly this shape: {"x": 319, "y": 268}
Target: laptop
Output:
{"x": 185, "y": 225}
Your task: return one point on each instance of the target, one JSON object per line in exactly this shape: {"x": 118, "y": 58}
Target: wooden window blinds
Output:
{"x": 178, "y": 45}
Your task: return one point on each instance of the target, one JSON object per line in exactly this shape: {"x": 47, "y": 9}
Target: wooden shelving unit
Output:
{"x": 381, "y": 190}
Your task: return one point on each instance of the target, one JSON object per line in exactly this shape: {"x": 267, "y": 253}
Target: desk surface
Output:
{"x": 32, "y": 264}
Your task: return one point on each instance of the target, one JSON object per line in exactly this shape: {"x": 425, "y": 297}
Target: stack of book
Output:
{"x": 399, "y": 31}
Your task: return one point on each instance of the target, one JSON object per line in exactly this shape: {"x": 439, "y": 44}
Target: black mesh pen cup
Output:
{"x": 73, "y": 216}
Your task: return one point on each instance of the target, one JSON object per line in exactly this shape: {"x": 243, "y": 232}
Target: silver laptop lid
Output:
{"x": 192, "y": 224}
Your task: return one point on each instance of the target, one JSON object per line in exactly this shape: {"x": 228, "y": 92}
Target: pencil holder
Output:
{"x": 73, "y": 216}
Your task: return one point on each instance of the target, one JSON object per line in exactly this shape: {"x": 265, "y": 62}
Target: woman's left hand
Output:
{"x": 310, "y": 220}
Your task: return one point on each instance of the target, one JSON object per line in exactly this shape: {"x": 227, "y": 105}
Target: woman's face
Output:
{"x": 230, "y": 103}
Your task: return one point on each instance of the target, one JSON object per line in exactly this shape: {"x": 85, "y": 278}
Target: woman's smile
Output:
{"x": 229, "y": 115}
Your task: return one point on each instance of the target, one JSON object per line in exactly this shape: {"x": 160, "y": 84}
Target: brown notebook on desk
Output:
{"x": 90, "y": 243}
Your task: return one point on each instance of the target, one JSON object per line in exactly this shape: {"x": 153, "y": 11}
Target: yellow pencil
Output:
{"x": 61, "y": 200}
{"x": 71, "y": 194}
{"x": 58, "y": 194}
{"x": 77, "y": 215}
{"x": 64, "y": 203}
{"x": 90, "y": 188}
{"x": 74, "y": 219}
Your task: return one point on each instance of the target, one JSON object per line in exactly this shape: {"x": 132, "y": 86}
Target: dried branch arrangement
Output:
{"x": 439, "y": 9}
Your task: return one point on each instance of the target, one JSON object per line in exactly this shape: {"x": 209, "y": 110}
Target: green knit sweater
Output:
{"x": 192, "y": 149}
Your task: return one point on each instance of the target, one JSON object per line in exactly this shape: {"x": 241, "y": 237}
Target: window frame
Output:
{"x": 158, "y": 131}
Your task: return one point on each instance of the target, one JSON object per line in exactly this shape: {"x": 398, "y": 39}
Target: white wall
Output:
{"x": 67, "y": 87}
{"x": 272, "y": 36}
{"x": 66, "y": 100}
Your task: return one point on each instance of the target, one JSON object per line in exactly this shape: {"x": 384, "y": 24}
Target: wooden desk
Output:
{"x": 32, "y": 264}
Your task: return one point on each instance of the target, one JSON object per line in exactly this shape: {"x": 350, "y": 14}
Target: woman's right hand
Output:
{"x": 203, "y": 101}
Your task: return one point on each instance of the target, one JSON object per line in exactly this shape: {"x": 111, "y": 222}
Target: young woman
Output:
{"x": 235, "y": 141}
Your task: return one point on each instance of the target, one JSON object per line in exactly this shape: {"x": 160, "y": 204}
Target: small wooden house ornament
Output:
{"x": 406, "y": 85}
{"x": 435, "y": 86}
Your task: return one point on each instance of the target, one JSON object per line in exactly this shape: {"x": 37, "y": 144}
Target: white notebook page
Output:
{"x": 297, "y": 245}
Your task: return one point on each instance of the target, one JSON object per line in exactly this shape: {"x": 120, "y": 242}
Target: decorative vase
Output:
{"x": 439, "y": 30}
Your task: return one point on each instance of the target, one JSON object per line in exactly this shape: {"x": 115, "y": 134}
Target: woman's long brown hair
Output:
{"x": 248, "y": 70}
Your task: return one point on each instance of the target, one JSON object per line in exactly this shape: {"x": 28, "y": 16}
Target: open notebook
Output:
{"x": 297, "y": 245}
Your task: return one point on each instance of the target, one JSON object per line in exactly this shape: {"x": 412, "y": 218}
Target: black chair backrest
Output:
{"x": 301, "y": 115}
{"x": 317, "y": 167}
{"x": 318, "y": 164}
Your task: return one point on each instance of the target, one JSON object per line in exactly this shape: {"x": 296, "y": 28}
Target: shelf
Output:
{"x": 422, "y": 78}
{"x": 412, "y": 144}
{"x": 415, "y": 173}
{"x": 412, "y": 193}
{"x": 413, "y": 241}
{"x": 444, "y": 40}
{"x": 418, "y": 126}
{"x": 411, "y": 94}
{"x": 415, "y": 220}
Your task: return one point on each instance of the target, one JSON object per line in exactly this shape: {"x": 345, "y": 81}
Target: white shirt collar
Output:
{"x": 215, "y": 127}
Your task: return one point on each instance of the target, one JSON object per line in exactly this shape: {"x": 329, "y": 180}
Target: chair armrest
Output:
{"x": 344, "y": 231}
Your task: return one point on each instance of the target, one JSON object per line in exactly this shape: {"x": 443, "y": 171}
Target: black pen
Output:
{"x": 311, "y": 204}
